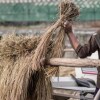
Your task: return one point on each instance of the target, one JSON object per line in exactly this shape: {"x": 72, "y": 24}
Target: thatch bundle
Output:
{"x": 22, "y": 76}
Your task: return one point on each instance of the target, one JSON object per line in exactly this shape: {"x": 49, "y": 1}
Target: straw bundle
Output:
{"x": 23, "y": 77}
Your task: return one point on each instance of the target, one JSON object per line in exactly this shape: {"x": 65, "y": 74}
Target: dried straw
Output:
{"x": 23, "y": 77}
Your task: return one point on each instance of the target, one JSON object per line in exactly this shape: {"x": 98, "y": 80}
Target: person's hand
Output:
{"x": 68, "y": 27}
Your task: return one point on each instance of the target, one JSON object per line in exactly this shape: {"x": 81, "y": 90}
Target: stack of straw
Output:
{"x": 23, "y": 77}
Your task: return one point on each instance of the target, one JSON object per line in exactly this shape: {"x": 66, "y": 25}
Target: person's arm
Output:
{"x": 86, "y": 49}
{"x": 74, "y": 42}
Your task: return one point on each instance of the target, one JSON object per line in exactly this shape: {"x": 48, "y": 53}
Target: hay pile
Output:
{"x": 22, "y": 75}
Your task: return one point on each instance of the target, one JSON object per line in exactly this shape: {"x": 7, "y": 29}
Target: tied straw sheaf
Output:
{"x": 23, "y": 77}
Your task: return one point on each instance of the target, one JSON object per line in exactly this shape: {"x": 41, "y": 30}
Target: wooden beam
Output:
{"x": 74, "y": 62}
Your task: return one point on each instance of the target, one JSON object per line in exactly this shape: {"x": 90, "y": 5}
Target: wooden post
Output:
{"x": 74, "y": 62}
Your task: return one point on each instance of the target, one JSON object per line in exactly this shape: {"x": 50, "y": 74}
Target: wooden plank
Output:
{"x": 73, "y": 62}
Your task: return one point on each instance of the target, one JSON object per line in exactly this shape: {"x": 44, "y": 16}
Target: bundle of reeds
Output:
{"x": 23, "y": 76}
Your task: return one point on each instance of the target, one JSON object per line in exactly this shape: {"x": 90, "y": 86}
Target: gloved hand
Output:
{"x": 68, "y": 27}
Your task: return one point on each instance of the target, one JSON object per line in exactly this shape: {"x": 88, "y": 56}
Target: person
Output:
{"x": 87, "y": 49}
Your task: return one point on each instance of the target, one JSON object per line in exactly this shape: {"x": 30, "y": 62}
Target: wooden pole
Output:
{"x": 74, "y": 62}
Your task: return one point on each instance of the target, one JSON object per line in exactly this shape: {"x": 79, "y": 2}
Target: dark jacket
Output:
{"x": 89, "y": 48}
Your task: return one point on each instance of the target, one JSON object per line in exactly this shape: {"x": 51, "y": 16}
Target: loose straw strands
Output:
{"x": 23, "y": 77}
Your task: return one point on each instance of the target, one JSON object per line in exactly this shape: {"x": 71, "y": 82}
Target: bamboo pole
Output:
{"x": 73, "y": 62}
